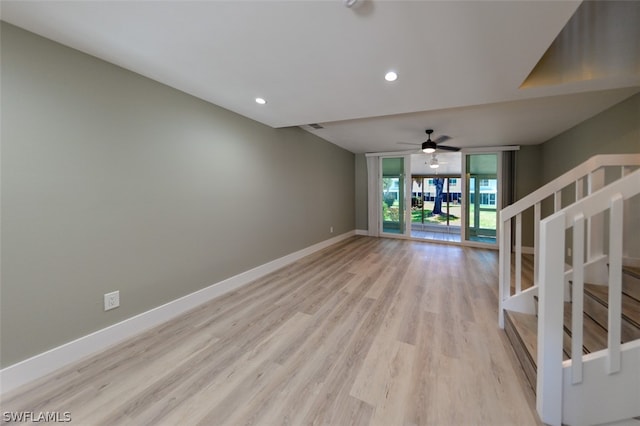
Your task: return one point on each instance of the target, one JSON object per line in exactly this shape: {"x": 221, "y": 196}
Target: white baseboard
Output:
{"x": 362, "y": 232}
{"x": 47, "y": 362}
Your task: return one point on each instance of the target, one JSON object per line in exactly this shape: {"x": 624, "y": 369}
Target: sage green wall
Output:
{"x": 613, "y": 131}
{"x": 528, "y": 178}
{"x": 112, "y": 181}
{"x": 362, "y": 217}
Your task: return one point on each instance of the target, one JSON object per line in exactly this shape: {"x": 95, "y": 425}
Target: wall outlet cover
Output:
{"x": 111, "y": 300}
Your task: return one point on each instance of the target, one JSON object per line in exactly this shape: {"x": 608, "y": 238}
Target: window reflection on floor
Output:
{"x": 443, "y": 234}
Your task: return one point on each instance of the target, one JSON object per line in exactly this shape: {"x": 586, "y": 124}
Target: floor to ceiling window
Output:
{"x": 393, "y": 199}
{"x": 481, "y": 197}
{"x": 457, "y": 201}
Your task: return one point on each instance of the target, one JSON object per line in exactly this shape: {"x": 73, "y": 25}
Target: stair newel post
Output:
{"x": 550, "y": 319}
{"x": 577, "y": 297}
{"x": 615, "y": 282}
{"x": 504, "y": 272}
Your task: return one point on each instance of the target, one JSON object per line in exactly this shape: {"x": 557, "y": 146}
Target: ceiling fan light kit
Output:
{"x": 429, "y": 146}
{"x": 434, "y": 162}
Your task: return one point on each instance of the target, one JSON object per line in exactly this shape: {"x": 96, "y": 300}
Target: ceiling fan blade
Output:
{"x": 448, "y": 148}
{"x": 441, "y": 139}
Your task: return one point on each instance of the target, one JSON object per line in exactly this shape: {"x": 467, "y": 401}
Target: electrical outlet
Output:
{"x": 111, "y": 300}
{"x": 331, "y": 229}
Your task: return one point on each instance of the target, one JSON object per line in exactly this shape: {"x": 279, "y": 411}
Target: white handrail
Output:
{"x": 598, "y": 202}
{"x": 593, "y": 163}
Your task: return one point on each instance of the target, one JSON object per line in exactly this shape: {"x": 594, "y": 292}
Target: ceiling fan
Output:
{"x": 430, "y": 146}
{"x": 434, "y": 163}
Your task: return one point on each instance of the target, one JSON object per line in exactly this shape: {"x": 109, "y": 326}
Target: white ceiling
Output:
{"x": 460, "y": 63}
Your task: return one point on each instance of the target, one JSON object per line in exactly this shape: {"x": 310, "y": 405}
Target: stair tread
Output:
{"x": 631, "y": 281}
{"x": 594, "y": 337}
{"x": 600, "y": 313}
{"x": 632, "y": 270}
{"x": 527, "y": 328}
{"x": 520, "y": 330}
{"x": 630, "y": 306}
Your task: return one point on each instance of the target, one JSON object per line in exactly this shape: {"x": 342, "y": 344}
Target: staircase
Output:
{"x": 521, "y": 328}
{"x": 574, "y": 321}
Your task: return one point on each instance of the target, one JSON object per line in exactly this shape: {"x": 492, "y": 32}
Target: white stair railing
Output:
{"x": 582, "y": 181}
{"x": 562, "y": 396}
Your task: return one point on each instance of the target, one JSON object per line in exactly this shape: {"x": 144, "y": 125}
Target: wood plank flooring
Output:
{"x": 369, "y": 331}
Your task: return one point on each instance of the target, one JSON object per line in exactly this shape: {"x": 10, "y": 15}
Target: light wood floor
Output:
{"x": 369, "y": 331}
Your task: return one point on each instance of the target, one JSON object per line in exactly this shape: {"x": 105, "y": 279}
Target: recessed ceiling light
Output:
{"x": 391, "y": 76}
{"x": 260, "y": 101}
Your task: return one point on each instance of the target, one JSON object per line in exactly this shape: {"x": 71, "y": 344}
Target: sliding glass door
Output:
{"x": 393, "y": 195}
{"x": 481, "y": 195}
{"x": 436, "y": 207}
{"x": 458, "y": 202}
